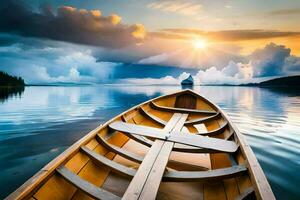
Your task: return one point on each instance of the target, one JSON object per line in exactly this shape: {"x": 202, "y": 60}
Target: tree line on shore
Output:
{"x": 7, "y": 80}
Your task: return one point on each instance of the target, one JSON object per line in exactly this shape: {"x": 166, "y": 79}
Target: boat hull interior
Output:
{"x": 147, "y": 153}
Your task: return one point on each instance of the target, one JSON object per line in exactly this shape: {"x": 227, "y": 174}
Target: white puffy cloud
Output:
{"x": 233, "y": 74}
{"x": 168, "y": 80}
{"x": 60, "y": 63}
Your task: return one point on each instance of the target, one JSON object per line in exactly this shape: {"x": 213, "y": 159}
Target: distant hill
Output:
{"x": 289, "y": 81}
{"x": 7, "y": 80}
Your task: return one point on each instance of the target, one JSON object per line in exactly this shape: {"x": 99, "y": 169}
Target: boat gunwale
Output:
{"x": 260, "y": 183}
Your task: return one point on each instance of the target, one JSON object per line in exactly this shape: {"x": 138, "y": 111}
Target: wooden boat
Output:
{"x": 178, "y": 146}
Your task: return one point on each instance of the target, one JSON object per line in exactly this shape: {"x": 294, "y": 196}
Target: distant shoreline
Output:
{"x": 283, "y": 82}
{"x": 225, "y": 85}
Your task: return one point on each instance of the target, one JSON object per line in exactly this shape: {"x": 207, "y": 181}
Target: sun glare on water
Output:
{"x": 199, "y": 44}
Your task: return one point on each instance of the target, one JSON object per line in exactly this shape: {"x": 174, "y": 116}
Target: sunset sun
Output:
{"x": 199, "y": 44}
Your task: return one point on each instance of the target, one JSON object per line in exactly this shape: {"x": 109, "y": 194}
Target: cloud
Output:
{"x": 271, "y": 61}
{"x": 64, "y": 63}
{"x": 292, "y": 64}
{"x": 287, "y": 11}
{"x": 222, "y": 35}
{"x": 42, "y": 76}
{"x": 139, "y": 31}
{"x": 185, "y": 57}
{"x": 46, "y": 61}
{"x": 233, "y": 74}
{"x": 68, "y": 24}
{"x": 154, "y": 59}
{"x": 167, "y": 80}
{"x": 160, "y": 58}
{"x": 169, "y": 35}
{"x": 177, "y": 6}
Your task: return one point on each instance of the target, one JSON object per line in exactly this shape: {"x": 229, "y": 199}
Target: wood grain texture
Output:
{"x": 186, "y": 101}
{"x": 116, "y": 167}
{"x": 181, "y": 110}
{"x": 146, "y": 182}
{"x": 135, "y": 187}
{"x": 202, "y": 176}
{"x": 126, "y": 154}
{"x": 85, "y": 186}
{"x": 152, "y": 117}
{"x": 203, "y": 119}
{"x": 178, "y": 137}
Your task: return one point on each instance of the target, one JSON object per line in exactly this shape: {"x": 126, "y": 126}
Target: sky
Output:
{"x": 149, "y": 41}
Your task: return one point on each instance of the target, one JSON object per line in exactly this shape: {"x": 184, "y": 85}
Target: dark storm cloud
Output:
{"x": 223, "y": 35}
{"x": 68, "y": 24}
{"x": 274, "y": 60}
{"x": 27, "y": 42}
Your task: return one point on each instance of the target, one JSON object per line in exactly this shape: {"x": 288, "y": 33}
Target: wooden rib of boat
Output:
{"x": 178, "y": 146}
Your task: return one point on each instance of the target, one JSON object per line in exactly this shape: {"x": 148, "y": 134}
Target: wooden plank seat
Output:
{"x": 177, "y": 147}
{"x": 204, "y": 142}
{"x": 170, "y": 176}
{"x": 177, "y": 137}
{"x": 180, "y": 110}
{"x": 139, "y": 130}
{"x": 88, "y": 188}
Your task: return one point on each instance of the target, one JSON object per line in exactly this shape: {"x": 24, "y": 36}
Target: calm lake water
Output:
{"x": 38, "y": 124}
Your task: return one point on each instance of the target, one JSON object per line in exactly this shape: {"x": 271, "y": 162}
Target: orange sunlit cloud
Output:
{"x": 248, "y": 40}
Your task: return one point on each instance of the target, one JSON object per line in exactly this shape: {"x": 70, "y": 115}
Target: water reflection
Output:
{"x": 46, "y": 120}
{"x": 183, "y": 87}
{"x": 7, "y": 92}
